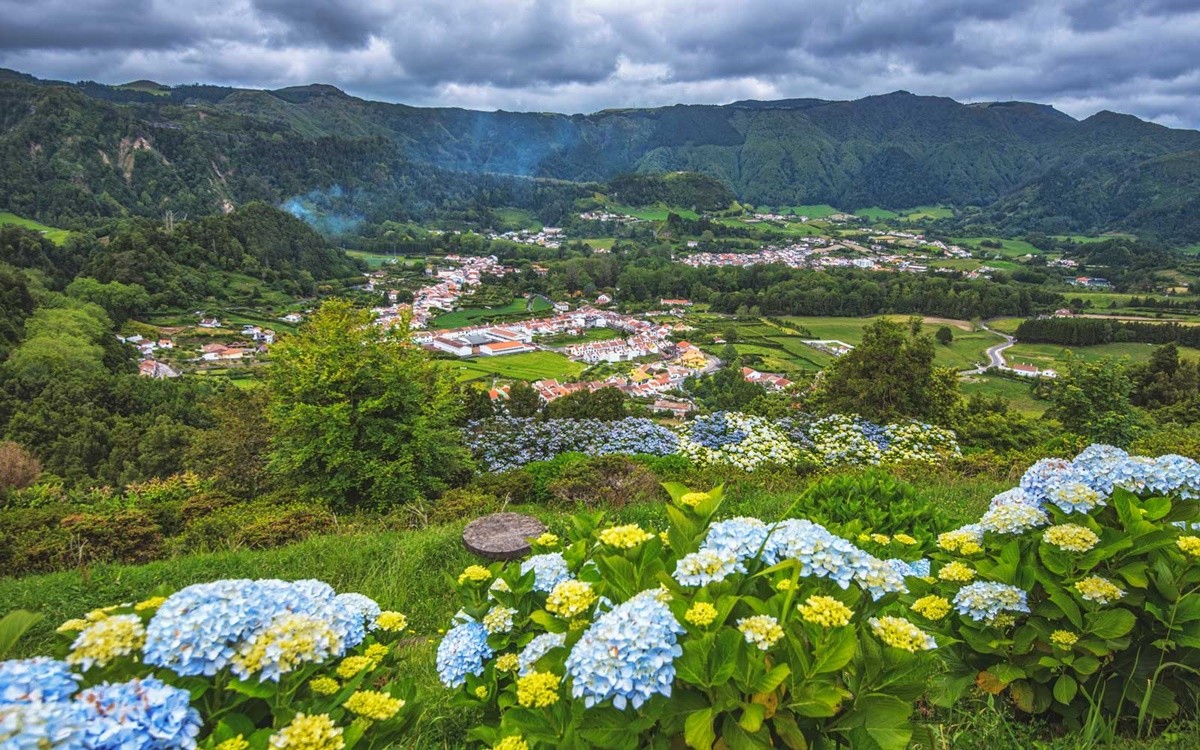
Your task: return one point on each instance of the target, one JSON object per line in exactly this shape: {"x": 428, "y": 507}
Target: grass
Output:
{"x": 965, "y": 351}
{"x": 473, "y": 315}
{"x": 524, "y": 366}
{"x": 874, "y": 213}
{"x": 812, "y": 211}
{"x": 600, "y": 243}
{"x": 374, "y": 260}
{"x": 657, "y": 212}
{"x": 517, "y": 218}
{"x": 1055, "y": 355}
{"x": 1009, "y": 249}
{"x": 57, "y": 236}
{"x": 1016, "y": 393}
{"x": 1191, "y": 249}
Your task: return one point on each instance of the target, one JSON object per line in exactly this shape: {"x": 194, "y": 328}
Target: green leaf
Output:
{"x": 263, "y": 689}
{"x": 1066, "y": 605}
{"x": 752, "y": 717}
{"x": 1110, "y": 623}
{"x": 789, "y": 731}
{"x": 885, "y": 719}
{"x": 14, "y": 625}
{"x": 698, "y": 730}
{"x": 1006, "y": 672}
{"x": 1065, "y": 689}
{"x": 772, "y": 679}
{"x": 610, "y": 729}
{"x": 836, "y": 652}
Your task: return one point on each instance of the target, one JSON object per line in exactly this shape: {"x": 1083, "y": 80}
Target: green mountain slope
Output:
{"x": 87, "y": 149}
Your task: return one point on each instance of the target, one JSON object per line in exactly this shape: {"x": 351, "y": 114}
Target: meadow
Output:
{"x": 1017, "y": 393}
{"x": 524, "y": 366}
{"x": 968, "y": 348}
{"x": 475, "y": 315}
{"x": 1055, "y": 355}
{"x": 1009, "y": 248}
{"x": 57, "y": 236}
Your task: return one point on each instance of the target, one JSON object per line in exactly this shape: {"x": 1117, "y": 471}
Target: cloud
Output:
{"x": 1134, "y": 56}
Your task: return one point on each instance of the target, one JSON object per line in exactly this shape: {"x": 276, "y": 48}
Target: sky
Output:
{"x": 1136, "y": 56}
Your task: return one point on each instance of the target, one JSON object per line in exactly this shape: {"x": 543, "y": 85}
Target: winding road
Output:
{"x": 995, "y": 353}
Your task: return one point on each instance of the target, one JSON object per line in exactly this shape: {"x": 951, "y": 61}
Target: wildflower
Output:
{"x": 40, "y": 679}
{"x": 481, "y": 692}
{"x": 1098, "y": 589}
{"x": 474, "y": 574}
{"x": 957, "y": 572}
{"x": 512, "y": 742}
{"x": 507, "y": 663}
{"x": 537, "y": 648}
{"x": 570, "y": 599}
{"x": 1189, "y": 544}
{"x": 538, "y": 689}
{"x": 72, "y": 626}
{"x": 463, "y": 651}
{"x": 627, "y": 655}
{"x": 881, "y": 539}
{"x": 324, "y": 685}
{"x": 549, "y": 570}
{"x": 624, "y": 537}
{"x": 290, "y": 642}
{"x": 902, "y": 634}
{"x": 308, "y": 732}
{"x": 932, "y": 607}
{"x": 392, "y": 622}
{"x": 153, "y": 602}
{"x": 701, "y": 614}
{"x": 499, "y": 619}
{"x": 352, "y": 665}
{"x": 107, "y": 639}
{"x": 547, "y": 540}
{"x": 985, "y": 600}
{"x": 1064, "y": 638}
{"x": 905, "y": 539}
{"x": 373, "y": 704}
{"x": 825, "y": 611}
{"x": 234, "y": 743}
{"x": 1071, "y": 537}
{"x": 761, "y": 630}
{"x": 692, "y": 499}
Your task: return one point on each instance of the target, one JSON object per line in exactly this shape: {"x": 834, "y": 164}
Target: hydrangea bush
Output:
{"x": 732, "y": 633}
{"x": 231, "y": 665}
{"x": 1077, "y": 591}
{"x": 731, "y": 439}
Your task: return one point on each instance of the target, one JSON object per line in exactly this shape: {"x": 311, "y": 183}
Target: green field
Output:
{"x": 374, "y": 260}
{"x": 874, "y": 213}
{"x": 603, "y": 243}
{"x": 517, "y": 218}
{"x": 57, "y": 236}
{"x": 927, "y": 212}
{"x": 1009, "y": 249}
{"x": 473, "y": 315}
{"x": 1015, "y": 392}
{"x": 813, "y": 211}
{"x": 1191, "y": 249}
{"x": 1055, "y": 355}
{"x": 967, "y": 349}
{"x": 653, "y": 213}
{"x": 525, "y": 366}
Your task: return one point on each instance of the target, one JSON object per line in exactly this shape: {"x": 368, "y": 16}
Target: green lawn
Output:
{"x": 874, "y": 213}
{"x": 1191, "y": 249}
{"x": 517, "y": 218}
{"x": 1016, "y": 393}
{"x": 968, "y": 347}
{"x": 812, "y": 211}
{"x": 374, "y": 260}
{"x": 1009, "y": 249}
{"x": 525, "y": 366}
{"x": 602, "y": 243}
{"x": 472, "y": 315}
{"x": 928, "y": 212}
{"x": 57, "y": 236}
{"x": 1054, "y": 355}
{"x": 653, "y": 213}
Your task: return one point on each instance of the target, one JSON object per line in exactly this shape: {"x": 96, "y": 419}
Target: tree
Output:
{"x": 605, "y": 403}
{"x": 1092, "y": 399}
{"x": 890, "y": 376}
{"x": 361, "y": 417}
{"x": 236, "y": 449}
{"x": 523, "y": 401}
{"x": 944, "y": 336}
{"x": 18, "y": 468}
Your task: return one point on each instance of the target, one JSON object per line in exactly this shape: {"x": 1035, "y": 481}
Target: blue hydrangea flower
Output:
{"x": 1044, "y": 476}
{"x": 983, "y": 600}
{"x": 537, "y": 648}
{"x": 1076, "y": 497}
{"x": 1175, "y": 474}
{"x": 34, "y": 726}
{"x": 462, "y": 652}
{"x": 549, "y": 570}
{"x": 35, "y": 680}
{"x": 627, "y": 655}
{"x": 705, "y": 566}
{"x": 881, "y": 577}
{"x": 142, "y": 713}
{"x": 914, "y": 569}
{"x": 820, "y": 553}
{"x": 741, "y": 537}
{"x": 1096, "y": 466}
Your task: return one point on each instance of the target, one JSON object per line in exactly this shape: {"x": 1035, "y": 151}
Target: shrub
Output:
{"x": 872, "y": 500}
{"x": 259, "y": 524}
{"x": 1079, "y": 591}
{"x": 230, "y": 664}
{"x": 18, "y": 467}
{"x": 721, "y": 634}
{"x": 465, "y": 502}
{"x": 605, "y": 481}
{"x": 123, "y": 535}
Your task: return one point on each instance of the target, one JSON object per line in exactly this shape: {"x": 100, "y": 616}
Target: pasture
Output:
{"x": 57, "y": 236}
{"x": 524, "y": 366}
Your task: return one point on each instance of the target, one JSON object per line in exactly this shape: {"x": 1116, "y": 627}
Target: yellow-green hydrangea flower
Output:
{"x": 309, "y": 732}
{"x": 932, "y": 607}
{"x": 1071, "y": 537}
{"x": 508, "y": 662}
{"x": 73, "y": 625}
{"x": 624, "y": 537}
{"x": 153, "y": 602}
{"x": 825, "y": 611}
{"x": 373, "y": 705}
{"x": 961, "y": 541}
{"x": 570, "y": 599}
{"x": 324, "y": 685}
{"x": 692, "y": 499}
{"x": 905, "y": 539}
{"x": 538, "y": 689}
{"x": 881, "y": 539}
{"x": 1190, "y": 545}
{"x": 956, "y": 571}
{"x": 701, "y": 614}
{"x": 481, "y": 692}
{"x": 234, "y": 743}
{"x": 547, "y": 540}
{"x": 376, "y": 652}
{"x": 352, "y": 665}
{"x": 107, "y": 639}
{"x": 787, "y": 584}
{"x": 1099, "y": 589}
{"x": 1064, "y": 638}
{"x": 474, "y": 574}
{"x": 902, "y": 634}
{"x": 391, "y": 622}
{"x": 512, "y": 742}
{"x": 762, "y": 631}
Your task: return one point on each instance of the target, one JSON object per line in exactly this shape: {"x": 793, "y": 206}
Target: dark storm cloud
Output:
{"x": 1135, "y": 56}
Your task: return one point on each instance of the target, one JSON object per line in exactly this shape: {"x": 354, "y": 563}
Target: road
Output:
{"x": 995, "y": 353}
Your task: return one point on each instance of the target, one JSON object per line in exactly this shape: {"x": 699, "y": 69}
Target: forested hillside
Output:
{"x": 90, "y": 150}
